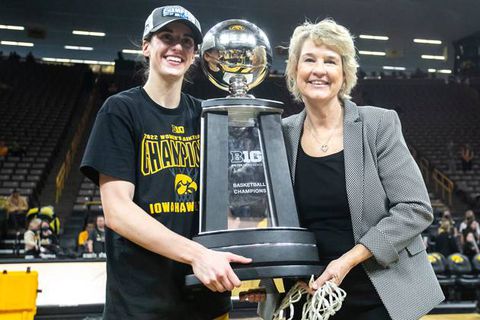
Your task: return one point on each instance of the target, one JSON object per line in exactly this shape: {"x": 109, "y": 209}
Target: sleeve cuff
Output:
{"x": 378, "y": 244}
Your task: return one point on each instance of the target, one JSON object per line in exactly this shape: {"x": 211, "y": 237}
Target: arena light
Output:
{"x": 15, "y": 43}
{"x": 370, "y": 37}
{"x": 78, "y": 48}
{"x": 89, "y": 33}
{"x": 372, "y": 53}
{"x": 432, "y": 57}
{"x": 9, "y": 27}
{"x": 444, "y": 71}
{"x": 427, "y": 41}
{"x": 394, "y": 68}
{"x": 63, "y": 60}
{"x": 131, "y": 51}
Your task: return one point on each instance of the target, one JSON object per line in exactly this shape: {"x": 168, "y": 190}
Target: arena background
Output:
{"x": 54, "y": 83}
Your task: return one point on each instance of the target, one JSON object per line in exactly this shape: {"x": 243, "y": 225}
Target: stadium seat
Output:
{"x": 461, "y": 267}
{"x": 440, "y": 266}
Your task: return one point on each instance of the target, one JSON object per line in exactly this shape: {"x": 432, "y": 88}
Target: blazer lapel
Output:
{"x": 354, "y": 166}
{"x": 292, "y": 138}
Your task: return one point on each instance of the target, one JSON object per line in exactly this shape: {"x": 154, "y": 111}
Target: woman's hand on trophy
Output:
{"x": 213, "y": 269}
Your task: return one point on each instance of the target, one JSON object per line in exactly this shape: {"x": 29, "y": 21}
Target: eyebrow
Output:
{"x": 327, "y": 56}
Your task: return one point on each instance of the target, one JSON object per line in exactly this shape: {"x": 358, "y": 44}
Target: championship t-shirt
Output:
{"x": 157, "y": 149}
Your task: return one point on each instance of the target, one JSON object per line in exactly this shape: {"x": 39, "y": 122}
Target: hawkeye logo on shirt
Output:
{"x": 168, "y": 151}
{"x": 185, "y": 188}
{"x": 184, "y": 184}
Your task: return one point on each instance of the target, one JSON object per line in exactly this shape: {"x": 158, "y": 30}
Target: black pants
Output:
{"x": 377, "y": 312}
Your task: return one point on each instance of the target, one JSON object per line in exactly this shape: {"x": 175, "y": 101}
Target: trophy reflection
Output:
{"x": 246, "y": 197}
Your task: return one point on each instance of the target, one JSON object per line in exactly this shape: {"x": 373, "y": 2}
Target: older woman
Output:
{"x": 356, "y": 185}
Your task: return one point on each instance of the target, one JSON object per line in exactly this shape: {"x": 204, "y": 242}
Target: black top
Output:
{"x": 321, "y": 194}
{"x": 157, "y": 149}
{"x": 322, "y": 202}
{"x": 98, "y": 238}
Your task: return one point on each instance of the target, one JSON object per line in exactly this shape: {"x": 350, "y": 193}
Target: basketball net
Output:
{"x": 323, "y": 304}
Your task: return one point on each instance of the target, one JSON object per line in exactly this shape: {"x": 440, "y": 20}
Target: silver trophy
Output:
{"x": 236, "y": 56}
{"x": 246, "y": 197}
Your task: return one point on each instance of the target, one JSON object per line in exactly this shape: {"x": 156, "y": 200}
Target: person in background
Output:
{"x": 3, "y": 149}
{"x": 469, "y": 217}
{"x": 447, "y": 215}
{"x": 83, "y": 236}
{"x": 466, "y": 156}
{"x": 48, "y": 240}
{"x": 31, "y": 237}
{"x": 446, "y": 239}
{"x": 17, "y": 207}
{"x": 96, "y": 238}
{"x": 470, "y": 239}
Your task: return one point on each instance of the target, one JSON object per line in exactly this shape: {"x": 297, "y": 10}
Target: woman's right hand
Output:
{"x": 213, "y": 269}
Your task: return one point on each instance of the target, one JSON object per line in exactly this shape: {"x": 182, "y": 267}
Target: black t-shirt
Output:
{"x": 157, "y": 149}
{"x": 321, "y": 194}
{"x": 98, "y": 238}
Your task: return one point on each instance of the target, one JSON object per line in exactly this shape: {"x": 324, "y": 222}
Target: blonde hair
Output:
{"x": 334, "y": 36}
{"x": 34, "y": 223}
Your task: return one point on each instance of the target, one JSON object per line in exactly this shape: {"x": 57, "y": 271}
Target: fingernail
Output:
{"x": 314, "y": 286}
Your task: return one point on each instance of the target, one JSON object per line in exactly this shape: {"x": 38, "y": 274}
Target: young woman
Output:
{"x": 144, "y": 153}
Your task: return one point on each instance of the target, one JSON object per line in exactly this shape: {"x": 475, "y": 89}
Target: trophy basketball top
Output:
{"x": 236, "y": 56}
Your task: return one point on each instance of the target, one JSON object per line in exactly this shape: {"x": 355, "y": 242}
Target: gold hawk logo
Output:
{"x": 456, "y": 258}
{"x": 178, "y": 129}
{"x": 184, "y": 184}
{"x": 236, "y": 27}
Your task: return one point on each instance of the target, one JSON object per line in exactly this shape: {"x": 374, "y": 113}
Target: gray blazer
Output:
{"x": 389, "y": 206}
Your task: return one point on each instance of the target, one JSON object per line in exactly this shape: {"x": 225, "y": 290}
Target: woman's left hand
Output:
{"x": 336, "y": 271}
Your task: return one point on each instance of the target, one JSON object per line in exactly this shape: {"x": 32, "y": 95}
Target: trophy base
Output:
{"x": 276, "y": 252}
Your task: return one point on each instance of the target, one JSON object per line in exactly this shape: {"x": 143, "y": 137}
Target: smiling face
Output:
{"x": 319, "y": 73}
{"x": 170, "y": 51}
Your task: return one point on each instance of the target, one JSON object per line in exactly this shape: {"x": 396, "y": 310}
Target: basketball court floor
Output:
{"x": 432, "y": 317}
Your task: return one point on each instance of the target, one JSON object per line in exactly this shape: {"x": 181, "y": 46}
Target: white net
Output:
{"x": 323, "y": 304}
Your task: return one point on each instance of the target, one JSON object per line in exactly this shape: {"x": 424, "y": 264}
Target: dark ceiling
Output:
{"x": 52, "y": 22}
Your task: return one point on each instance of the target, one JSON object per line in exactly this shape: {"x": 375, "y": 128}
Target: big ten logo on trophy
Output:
{"x": 246, "y": 157}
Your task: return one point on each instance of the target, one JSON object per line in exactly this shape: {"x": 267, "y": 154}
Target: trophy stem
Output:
{"x": 238, "y": 86}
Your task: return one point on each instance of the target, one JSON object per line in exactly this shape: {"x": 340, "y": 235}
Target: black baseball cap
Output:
{"x": 162, "y": 16}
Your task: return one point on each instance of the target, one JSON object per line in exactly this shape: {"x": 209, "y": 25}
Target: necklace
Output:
{"x": 313, "y": 133}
